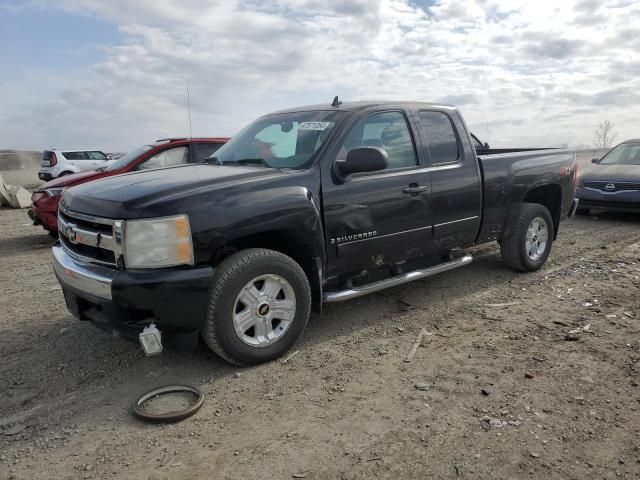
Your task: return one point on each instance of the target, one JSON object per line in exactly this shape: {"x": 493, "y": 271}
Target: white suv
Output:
{"x": 56, "y": 163}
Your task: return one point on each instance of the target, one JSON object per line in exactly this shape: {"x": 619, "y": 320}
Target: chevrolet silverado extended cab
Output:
{"x": 302, "y": 207}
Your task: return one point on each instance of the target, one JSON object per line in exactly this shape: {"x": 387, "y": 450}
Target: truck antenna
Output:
{"x": 189, "y": 112}
{"x": 336, "y": 102}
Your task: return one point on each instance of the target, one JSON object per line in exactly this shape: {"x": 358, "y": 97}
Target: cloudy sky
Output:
{"x": 112, "y": 74}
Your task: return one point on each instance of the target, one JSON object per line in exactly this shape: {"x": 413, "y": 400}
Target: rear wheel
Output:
{"x": 259, "y": 306}
{"x": 528, "y": 248}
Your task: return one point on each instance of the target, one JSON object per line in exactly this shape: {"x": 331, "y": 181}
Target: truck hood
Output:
{"x": 127, "y": 196}
{"x": 612, "y": 173}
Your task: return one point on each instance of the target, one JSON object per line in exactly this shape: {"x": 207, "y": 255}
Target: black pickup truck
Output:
{"x": 302, "y": 207}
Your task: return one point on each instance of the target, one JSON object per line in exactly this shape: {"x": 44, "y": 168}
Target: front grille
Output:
{"x": 613, "y": 186}
{"x": 91, "y": 239}
{"x": 101, "y": 255}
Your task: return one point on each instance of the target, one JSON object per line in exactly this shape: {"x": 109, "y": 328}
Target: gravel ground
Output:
{"x": 346, "y": 405}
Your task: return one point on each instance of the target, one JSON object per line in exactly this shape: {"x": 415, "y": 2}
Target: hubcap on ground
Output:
{"x": 264, "y": 310}
{"x": 537, "y": 237}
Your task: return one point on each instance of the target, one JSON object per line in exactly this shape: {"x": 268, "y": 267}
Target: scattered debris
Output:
{"x": 529, "y": 375}
{"x": 14, "y": 196}
{"x": 417, "y": 343}
{"x": 300, "y": 475}
{"x": 172, "y": 416}
{"x": 535, "y": 454}
{"x": 486, "y": 391}
{"x": 286, "y": 360}
{"x": 422, "y": 386}
{"x": 571, "y": 338}
{"x": 498, "y": 305}
{"x": 485, "y": 423}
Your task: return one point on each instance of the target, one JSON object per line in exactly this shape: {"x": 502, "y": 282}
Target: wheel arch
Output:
{"x": 294, "y": 243}
{"x": 549, "y": 195}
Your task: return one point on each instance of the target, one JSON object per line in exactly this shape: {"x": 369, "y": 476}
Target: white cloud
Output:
{"x": 523, "y": 73}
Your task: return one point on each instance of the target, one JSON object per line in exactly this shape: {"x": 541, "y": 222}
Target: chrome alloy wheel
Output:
{"x": 537, "y": 237}
{"x": 264, "y": 310}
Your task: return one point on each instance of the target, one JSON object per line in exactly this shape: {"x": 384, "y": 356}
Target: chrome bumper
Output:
{"x": 85, "y": 277}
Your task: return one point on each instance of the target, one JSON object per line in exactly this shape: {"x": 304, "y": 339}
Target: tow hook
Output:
{"x": 151, "y": 340}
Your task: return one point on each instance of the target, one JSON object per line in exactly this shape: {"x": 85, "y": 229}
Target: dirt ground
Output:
{"x": 347, "y": 406}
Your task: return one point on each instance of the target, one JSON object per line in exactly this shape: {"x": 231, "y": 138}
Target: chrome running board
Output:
{"x": 332, "y": 297}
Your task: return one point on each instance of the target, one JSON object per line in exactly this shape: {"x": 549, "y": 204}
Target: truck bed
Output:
{"x": 507, "y": 175}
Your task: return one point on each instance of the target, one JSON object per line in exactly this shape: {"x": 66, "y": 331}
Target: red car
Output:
{"x": 166, "y": 152}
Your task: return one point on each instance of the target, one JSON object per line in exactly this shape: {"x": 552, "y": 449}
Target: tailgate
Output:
{"x": 45, "y": 161}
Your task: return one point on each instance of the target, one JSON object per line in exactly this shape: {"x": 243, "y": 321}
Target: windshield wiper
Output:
{"x": 242, "y": 162}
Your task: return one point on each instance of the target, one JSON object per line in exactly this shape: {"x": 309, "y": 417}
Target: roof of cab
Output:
{"x": 355, "y": 106}
{"x": 633, "y": 140}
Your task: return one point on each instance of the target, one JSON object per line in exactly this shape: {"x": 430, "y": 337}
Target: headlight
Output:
{"x": 55, "y": 192}
{"x": 158, "y": 242}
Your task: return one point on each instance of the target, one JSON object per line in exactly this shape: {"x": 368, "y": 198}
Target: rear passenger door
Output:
{"x": 378, "y": 219}
{"x": 97, "y": 159}
{"x": 80, "y": 160}
{"x": 456, "y": 190}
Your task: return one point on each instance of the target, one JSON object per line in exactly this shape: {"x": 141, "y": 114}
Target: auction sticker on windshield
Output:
{"x": 314, "y": 125}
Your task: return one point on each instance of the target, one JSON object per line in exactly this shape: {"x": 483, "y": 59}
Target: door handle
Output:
{"x": 414, "y": 189}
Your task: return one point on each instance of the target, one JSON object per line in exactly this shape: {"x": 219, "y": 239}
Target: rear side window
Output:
{"x": 441, "y": 138}
{"x": 205, "y": 150}
{"x": 166, "y": 158}
{"x": 387, "y": 130}
{"x": 75, "y": 155}
{"x": 96, "y": 155}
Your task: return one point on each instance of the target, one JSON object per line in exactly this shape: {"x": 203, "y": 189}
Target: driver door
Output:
{"x": 377, "y": 220}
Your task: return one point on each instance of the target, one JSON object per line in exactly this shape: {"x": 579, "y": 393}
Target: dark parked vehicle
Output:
{"x": 306, "y": 206}
{"x": 613, "y": 182}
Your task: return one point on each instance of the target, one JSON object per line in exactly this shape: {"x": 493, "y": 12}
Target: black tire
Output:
{"x": 582, "y": 211}
{"x": 53, "y": 235}
{"x": 230, "y": 278}
{"x": 513, "y": 247}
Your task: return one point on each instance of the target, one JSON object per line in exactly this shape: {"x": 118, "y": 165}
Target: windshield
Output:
{"x": 286, "y": 140}
{"x": 625, "y": 154}
{"x": 127, "y": 159}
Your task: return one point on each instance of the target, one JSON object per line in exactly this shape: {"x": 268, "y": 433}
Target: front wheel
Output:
{"x": 528, "y": 248}
{"x": 259, "y": 305}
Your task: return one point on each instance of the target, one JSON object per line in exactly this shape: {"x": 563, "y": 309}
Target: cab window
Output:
{"x": 205, "y": 150}
{"x": 441, "y": 137}
{"x": 166, "y": 158}
{"x": 386, "y": 130}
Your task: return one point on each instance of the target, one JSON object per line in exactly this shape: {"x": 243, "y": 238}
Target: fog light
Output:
{"x": 150, "y": 340}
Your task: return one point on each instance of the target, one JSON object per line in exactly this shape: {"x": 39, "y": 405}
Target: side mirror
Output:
{"x": 595, "y": 160}
{"x": 363, "y": 159}
{"x": 486, "y": 145}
